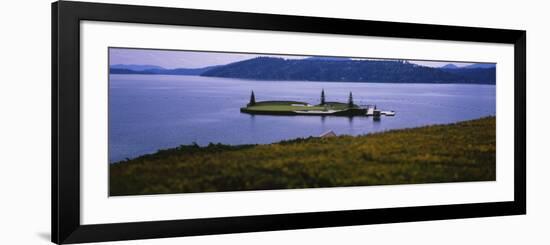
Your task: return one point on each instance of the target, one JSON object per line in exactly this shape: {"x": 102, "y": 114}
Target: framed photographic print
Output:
{"x": 176, "y": 122}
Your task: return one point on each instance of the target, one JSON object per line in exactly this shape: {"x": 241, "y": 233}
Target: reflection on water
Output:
{"x": 151, "y": 112}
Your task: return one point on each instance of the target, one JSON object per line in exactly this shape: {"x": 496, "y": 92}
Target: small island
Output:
{"x": 325, "y": 108}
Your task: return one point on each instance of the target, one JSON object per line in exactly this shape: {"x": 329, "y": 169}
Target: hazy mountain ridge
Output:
{"x": 133, "y": 67}
{"x": 118, "y": 69}
{"x": 472, "y": 66}
{"x": 450, "y": 66}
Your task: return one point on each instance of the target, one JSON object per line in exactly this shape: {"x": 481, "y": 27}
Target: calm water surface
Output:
{"x": 151, "y": 112}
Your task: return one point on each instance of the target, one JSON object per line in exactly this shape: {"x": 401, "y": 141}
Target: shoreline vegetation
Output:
{"x": 456, "y": 152}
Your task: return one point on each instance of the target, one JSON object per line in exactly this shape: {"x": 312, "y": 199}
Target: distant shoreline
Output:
{"x": 248, "y": 79}
{"x": 342, "y": 70}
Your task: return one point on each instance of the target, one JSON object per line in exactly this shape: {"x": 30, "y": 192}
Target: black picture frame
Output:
{"x": 66, "y": 18}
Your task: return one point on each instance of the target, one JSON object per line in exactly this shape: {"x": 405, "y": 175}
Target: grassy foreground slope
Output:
{"x": 462, "y": 151}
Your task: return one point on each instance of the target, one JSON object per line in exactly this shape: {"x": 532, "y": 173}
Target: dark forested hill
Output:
{"x": 343, "y": 70}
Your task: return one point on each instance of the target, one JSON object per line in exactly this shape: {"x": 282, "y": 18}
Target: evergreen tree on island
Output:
{"x": 323, "y": 97}
{"x": 252, "y": 99}
{"x": 350, "y": 100}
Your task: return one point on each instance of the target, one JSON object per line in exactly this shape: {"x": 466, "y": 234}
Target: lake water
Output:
{"x": 151, "y": 112}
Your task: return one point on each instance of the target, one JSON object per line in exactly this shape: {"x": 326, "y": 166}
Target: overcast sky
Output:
{"x": 187, "y": 59}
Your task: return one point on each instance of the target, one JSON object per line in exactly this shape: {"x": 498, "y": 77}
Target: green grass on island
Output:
{"x": 463, "y": 151}
{"x": 302, "y": 108}
{"x": 295, "y": 106}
